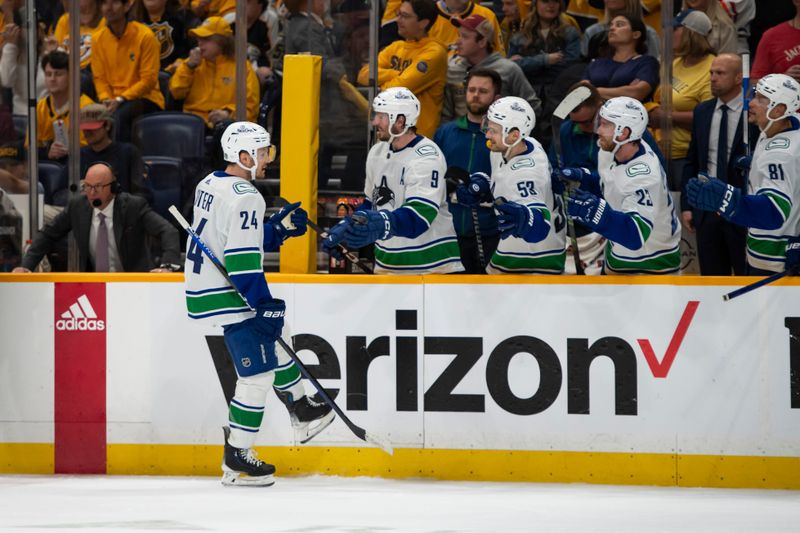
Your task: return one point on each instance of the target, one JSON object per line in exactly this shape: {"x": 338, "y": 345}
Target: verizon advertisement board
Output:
{"x": 538, "y": 366}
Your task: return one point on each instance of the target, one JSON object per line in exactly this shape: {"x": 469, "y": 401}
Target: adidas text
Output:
{"x": 80, "y": 324}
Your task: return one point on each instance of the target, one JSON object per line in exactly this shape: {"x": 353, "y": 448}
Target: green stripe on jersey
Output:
{"x": 286, "y": 376}
{"x": 783, "y": 205}
{"x": 669, "y": 261}
{"x": 552, "y": 263}
{"x": 249, "y": 262}
{"x": 419, "y": 258}
{"x": 775, "y": 248}
{"x": 245, "y": 417}
{"x": 424, "y": 210}
{"x": 219, "y": 301}
{"x": 644, "y": 227}
{"x": 545, "y": 212}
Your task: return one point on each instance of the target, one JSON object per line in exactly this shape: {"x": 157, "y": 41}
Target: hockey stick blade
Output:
{"x": 357, "y": 431}
{"x": 753, "y": 286}
{"x": 571, "y": 101}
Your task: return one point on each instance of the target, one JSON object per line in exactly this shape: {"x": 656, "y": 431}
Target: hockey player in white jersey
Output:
{"x": 636, "y": 213}
{"x": 404, "y": 212}
{"x": 771, "y": 208}
{"x": 229, "y": 217}
{"x": 531, "y": 218}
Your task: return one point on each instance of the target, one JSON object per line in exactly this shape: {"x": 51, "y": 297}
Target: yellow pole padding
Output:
{"x": 299, "y": 153}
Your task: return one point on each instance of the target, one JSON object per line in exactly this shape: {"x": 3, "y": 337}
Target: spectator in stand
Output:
{"x": 54, "y": 108}
{"x": 588, "y": 12}
{"x": 125, "y": 64}
{"x": 169, "y": 24}
{"x": 632, "y": 8}
{"x": 91, "y": 21}
{"x": 445, "y": 32}
{"x": 418, "y": 63}
{"x": 511, "y": 23}
{"x": 713, "y": 151}
{"x": 475, "y": 37}
{"x": 543, "y": 49}
{"x": 742, "y": 13}
{"x": 213, "y": 8}
{"x": 627, "y": 72}
{"x": 464, "y": 147}
{"x": 723, "y": 33}
{"x": 691, "y": 84}
{"x": 97, "y": 125}
{"x": 14, "y": 68}
{"x": 779, "y": 50}
{"x": 110, "y": 228}
{"x": 206, "y": 81}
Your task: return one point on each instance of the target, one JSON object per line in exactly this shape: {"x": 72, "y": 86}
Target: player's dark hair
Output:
{"x": 497, "y": 82}
{"x": 425, "y": 10}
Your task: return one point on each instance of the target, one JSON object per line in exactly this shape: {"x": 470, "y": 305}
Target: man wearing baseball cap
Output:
{"x": 475, "y": 49}
{"x": 206, "y": 80}
{"x": 447, "y": 34}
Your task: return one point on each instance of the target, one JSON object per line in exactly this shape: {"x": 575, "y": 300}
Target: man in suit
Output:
{"x": 110, "y": 227}
{"x": 713, "y": 151}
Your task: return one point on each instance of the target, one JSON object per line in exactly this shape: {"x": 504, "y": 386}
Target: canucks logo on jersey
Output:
{"x": 382, "y": 195}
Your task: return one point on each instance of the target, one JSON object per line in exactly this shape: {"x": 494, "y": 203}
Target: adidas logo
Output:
{"x": 80, "y": 317}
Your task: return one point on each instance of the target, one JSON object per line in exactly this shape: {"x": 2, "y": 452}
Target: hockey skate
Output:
{"x": 309, "y": 418}
{"x": 240, "y": 466}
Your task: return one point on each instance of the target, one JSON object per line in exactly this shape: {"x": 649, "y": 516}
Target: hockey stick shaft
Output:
{"x": 745, "y": 101}
{"x": 753, "y": 286}
{"x": 478, "y": 237}
{"x": 555, "y": 124}
{"x": 359, "y": 432}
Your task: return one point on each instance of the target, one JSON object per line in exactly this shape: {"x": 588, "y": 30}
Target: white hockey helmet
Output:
{"x": 625, "y": 112}
{"x": 245, "y": 137}
{"x": 512, "y": 112}
{"x": 779, "y": 89}
{"x": 397, "y": 101}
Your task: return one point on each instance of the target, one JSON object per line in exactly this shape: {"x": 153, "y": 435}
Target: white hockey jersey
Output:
{"x": 525, "y": 179}
{"x": 639, "y": 188}
{"x": 413, "y": 177}
{"x": 775, "y": 172}
{"x": 228, "y": 217}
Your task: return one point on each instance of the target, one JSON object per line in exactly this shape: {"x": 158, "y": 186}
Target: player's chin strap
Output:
{"x": 251, "y": 170}
{"x": 393, "y": 136}
{"x": 617, "y": 145}
{"x": 771, "y": 121}
{"x": 510, "y": 147}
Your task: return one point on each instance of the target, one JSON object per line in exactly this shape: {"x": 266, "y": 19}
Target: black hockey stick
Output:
{"x": 458, "y": 175}
{"x": 346, "y": 252}
{"x": 760, "y": 283}
{"x": 567, "y": 105}
{"x": 359, "y": 432}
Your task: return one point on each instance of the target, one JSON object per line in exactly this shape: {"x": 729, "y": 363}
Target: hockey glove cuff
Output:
{"x": 269, "y": 319}
{"x": 476, "y": 191}
{"x": 793, "y": 255}
{"x": 336, "y": 235}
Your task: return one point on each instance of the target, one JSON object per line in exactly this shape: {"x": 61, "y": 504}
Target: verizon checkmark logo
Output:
{"x": 660, "y": 369}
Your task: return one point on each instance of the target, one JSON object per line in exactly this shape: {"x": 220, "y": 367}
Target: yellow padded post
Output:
{"x": 299, "y": 153}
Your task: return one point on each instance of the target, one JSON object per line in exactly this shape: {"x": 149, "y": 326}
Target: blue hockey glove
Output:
{"x": 368, "y": 227}
{"x": 476, "y": 191}
{"x": 269, "y": 321}
{"x": 514, "y": 220}
{"x": 587, "y": 208}
{"x": 742, "y": 164}
{"x": 793, "y": 255}
{"x": 336, "y": 235}
{"x": 290, "y": 221}
{"x": 585, "y": 177}
{"x": 713, "y": 195}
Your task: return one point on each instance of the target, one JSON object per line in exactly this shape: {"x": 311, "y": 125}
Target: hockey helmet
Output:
{"x": 245, "y": 137}
{"x": 625, "y": 112}
{"x": 512, "y": 112}
{"x": 779, "y": 89}
{"x": 397, "y": 101}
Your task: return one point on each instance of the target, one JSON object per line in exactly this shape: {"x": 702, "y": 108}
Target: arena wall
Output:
{"x": 644, "y": 380}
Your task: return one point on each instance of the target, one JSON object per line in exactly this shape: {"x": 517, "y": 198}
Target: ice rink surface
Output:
{"x": 362, "y": 505}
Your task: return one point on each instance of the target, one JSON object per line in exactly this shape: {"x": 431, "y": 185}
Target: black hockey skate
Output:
{"x": 240, "y": 466}
{"x": 309, "y": 417}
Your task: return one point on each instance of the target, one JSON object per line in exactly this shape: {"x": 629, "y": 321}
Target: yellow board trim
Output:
{"x": 27, "y": 458}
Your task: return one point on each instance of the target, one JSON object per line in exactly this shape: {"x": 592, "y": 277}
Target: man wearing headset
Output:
{"x": 110, "y": 227}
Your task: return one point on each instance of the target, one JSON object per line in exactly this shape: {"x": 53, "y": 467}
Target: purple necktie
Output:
{"x": 101, "y": 246}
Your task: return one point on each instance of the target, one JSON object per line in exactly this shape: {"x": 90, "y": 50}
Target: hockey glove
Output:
{"x": 587, "y": 208}
{"x": 453, "y": 177}
{"x": 713, "y": 195}
{"x": 476, "y": 191}
{"x": 585, "y": 177}
{"x": 742, "y": 165}
{"x": 793, "y": 255}
{"x": 336, "y": 235}
{"x": 290, "y": 221}
{"x": 371, "y": 226}
{"x": 268, "y": 321}
{"x": 514, "y": 220}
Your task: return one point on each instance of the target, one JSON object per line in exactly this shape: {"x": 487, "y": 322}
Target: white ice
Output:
{"x": 361, "y": 505}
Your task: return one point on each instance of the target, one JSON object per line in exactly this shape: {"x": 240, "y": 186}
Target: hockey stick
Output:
{"x": 760, "y": 283}
{"x": 745, "y": 102}
{"x": 346, "y": 252}
{"x": 359, "y": 432}
{"x": 457, "y": 175}
{"x": 567, "y": 105}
